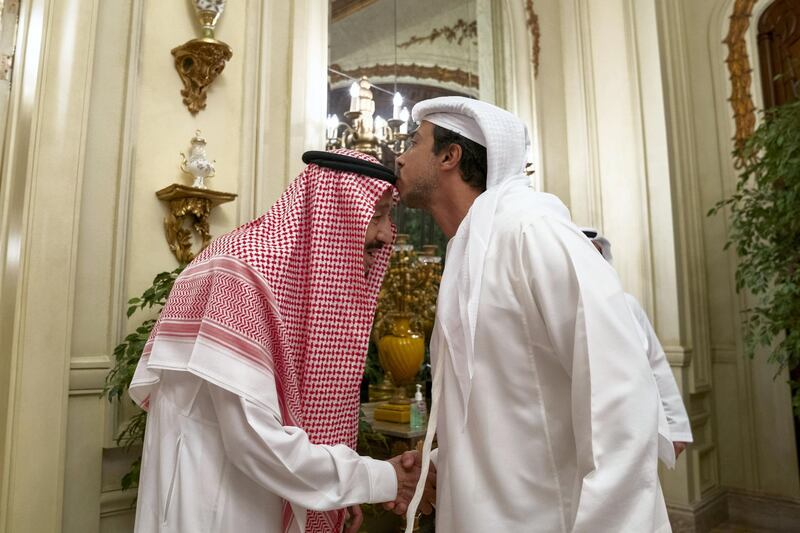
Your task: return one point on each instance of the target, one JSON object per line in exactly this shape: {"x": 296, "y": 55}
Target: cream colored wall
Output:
{"x": 508, "y": 80}
{"x": 96, "y": 129}
{"x": 44, "y": 157}
{"x": 549, "y": 102}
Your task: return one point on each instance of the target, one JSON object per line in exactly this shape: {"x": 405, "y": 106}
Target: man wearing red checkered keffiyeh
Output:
{"x": 251, "y": 375}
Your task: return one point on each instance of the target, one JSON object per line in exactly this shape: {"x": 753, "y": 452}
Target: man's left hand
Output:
{"x": 356, "y": 517}
{"x": 679, "y": 447}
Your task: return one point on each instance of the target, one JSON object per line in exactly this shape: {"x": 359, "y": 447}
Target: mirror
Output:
{"x": 418, "y": 48}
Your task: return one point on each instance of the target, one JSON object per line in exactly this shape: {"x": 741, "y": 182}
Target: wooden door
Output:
{"x": 779, "y": 52}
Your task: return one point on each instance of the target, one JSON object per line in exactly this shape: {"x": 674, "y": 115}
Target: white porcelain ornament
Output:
{"x": 197, "y": 164}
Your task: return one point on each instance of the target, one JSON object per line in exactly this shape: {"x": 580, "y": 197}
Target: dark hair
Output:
{"x": 473, "y": 156}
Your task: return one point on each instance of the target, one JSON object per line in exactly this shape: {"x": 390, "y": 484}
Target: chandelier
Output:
{"x": 364, "y": 132}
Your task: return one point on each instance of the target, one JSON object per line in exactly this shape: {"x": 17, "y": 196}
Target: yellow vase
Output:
{"x": 402, "y": 351}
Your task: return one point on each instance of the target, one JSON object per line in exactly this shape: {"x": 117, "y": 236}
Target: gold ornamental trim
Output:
{"x": 740, "y": 75}
{"x": 192, "y": 205}
{"x": 457, "y": 33}
{"x": 532, "y": 21}
{"x": 441, "y": 74}
{"x": 198, "y": 63}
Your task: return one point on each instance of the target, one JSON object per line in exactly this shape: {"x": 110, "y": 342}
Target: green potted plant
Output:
{"x": 126, "y": 357}
{"x": 765, "y": 232}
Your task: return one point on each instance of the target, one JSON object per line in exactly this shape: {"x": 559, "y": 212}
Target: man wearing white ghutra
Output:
{"x": 545, "y": 408}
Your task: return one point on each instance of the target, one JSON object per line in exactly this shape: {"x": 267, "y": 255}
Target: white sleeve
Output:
{"x": 283, "y": 460}
{"x": 613, "y": 395}
{"x": 679, "y": 428}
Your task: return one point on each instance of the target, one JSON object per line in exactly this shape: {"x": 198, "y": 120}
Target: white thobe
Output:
{"x": 561, "y": 424}
{"x": 214, "y": 462}
{"x": 680, "y": 429}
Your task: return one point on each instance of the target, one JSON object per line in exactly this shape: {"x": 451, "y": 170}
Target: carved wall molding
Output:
{"x": 441, "y": 74}
{"x": 532, "y": 21}
{"x": 740, "y": 75}
{"x": 458, "y": 32}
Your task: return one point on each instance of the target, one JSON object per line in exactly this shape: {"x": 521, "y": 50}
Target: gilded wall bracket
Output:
{"x": 189, "y": 210}
{"x": 200, "y": 61}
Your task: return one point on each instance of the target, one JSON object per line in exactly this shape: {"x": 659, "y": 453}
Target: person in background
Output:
{"x": 679, "y": 430}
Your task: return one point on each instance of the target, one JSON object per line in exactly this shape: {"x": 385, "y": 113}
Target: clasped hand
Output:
{"x": 407, "y": 467}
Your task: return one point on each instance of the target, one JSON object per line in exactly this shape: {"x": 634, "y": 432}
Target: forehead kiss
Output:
{"x": 380, "y": 231}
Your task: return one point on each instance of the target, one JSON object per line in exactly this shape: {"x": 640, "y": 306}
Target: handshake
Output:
{"x": 407, "y": 469}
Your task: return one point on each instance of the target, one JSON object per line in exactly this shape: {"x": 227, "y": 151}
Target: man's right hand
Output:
{"x": 407, "y": 468}
{"x": 411, "y": 463}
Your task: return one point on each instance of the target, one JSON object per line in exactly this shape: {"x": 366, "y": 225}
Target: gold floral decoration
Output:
{"x": 740, "y": 75}
{"x": 533, "y": 26}
{"x": 458, "y": 32}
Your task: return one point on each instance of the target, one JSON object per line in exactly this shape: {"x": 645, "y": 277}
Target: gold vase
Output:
{"x": 401, "y": 353}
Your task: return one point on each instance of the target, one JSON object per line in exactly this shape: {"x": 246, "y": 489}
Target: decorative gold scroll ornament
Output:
{"x": 457, "y": 33}
{"x": 740, "y": 74}
{"x": 532, "y": 21}
{"x": 200, "y": 61}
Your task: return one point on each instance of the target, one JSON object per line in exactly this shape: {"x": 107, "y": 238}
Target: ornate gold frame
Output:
{"x": 740, "y": 75}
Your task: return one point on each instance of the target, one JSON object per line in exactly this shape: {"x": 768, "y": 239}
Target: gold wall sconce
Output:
{"x": 200, "y": 61}
{"x": 190, "y": 206}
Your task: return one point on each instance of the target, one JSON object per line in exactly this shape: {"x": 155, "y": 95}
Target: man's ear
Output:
{"x": 452, "y": 157}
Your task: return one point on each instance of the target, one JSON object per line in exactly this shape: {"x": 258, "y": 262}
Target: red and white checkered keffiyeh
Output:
{"x": 283, "y": 296}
